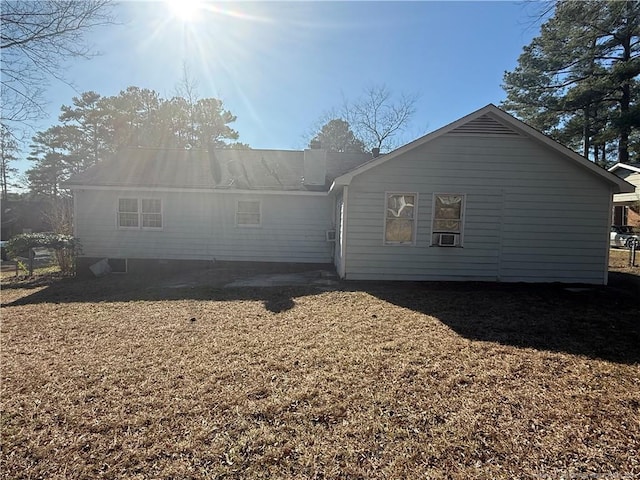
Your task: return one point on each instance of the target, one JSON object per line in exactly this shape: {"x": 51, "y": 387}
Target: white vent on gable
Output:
{"x": 484, "y": 125}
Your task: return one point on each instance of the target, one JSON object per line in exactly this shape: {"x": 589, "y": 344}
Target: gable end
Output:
{"x": 484, "y": 125}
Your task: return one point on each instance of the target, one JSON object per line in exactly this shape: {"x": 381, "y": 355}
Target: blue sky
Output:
{"x": 280, "y": 66}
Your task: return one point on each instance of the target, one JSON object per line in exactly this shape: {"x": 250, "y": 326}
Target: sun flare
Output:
{"x": 185, "y": 10}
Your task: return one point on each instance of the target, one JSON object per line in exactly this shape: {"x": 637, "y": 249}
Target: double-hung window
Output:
{"x": 128, "y": 213}
{"x": 448, "y": 219}
{"x": 400, "y": 218}
{"x": 139, "y": 213}
{"x": 248, "y": 213}
{"x": 151, "y": 213}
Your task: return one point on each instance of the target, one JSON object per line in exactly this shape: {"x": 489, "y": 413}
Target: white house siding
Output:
{"x": 202, "y": 226}
{"x": 531, "y": 215}
{"x": 633, "y": 178}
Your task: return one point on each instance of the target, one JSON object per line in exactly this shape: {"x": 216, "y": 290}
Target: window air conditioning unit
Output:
{"x": 330, "y": 235}
{"x": 447, "y": 239}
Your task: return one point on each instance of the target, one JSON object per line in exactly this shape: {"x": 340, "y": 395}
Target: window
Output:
{"x": 128, "y": 213}
{"x": 248, "y": 213}
{"x": 448, "y": 214}
{"x": 151, "y": 213}
{"x": 400, "y": 218}
{"x": 140, "y": 213}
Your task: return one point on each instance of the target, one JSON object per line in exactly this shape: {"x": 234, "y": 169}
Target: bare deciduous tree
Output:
{"x": 37, "y": 40}
{"x": 377, "y": 117}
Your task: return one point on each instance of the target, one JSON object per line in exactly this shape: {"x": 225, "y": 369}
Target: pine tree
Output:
{"x": 577, "y": 81}
{"x": 86, "y": 133}
{"x": 51, "y": 163}
{"x": 336, "y": 136}
{"x": 8, "y": 154}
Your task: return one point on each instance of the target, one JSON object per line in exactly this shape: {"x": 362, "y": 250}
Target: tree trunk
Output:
{"x": 4, "y": 181}
{"x": 625, "y": 101}
{"x": 586, "y": 135}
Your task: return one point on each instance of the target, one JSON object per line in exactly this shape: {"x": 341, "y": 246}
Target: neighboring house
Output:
{"x": 626, "y": 206}
{"x": 484, "y": 198}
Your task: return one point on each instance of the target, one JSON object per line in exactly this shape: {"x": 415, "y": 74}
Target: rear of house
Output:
{"x": 203, "y": 226}
{"x": 486, "y": 198}
{"x": 156, "y": 207}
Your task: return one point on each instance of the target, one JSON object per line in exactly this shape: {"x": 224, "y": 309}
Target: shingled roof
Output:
{"x": 244, "y": 169}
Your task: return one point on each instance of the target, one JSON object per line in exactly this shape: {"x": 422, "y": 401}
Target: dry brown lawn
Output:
{"x": 619, "y": 261}
{"x": 116, "y": 378}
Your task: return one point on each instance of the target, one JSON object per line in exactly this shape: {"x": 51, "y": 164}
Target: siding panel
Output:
{"x": 201, "y": 226}
{"x": 531, "y": 215}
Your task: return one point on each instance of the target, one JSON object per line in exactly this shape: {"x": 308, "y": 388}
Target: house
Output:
{"x": 484, "y": 198}
{"x": 626, "y": 206}
{"x": 147, "y": 206}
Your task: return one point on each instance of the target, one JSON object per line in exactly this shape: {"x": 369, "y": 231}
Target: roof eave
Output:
{"x": 623, "y": 166}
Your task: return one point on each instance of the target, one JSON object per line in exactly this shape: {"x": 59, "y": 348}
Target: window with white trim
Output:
{"x": 248, "y": 213}
{"x": 128, "y": 213}
{"x": 151, "y": 213}
{"x": 448, "y": 219}
{"x": 145, "y": 213}
{"x": 400, "y": 218}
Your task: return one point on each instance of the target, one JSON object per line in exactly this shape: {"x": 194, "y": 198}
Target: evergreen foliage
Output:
{"x": 66, "y": 247}
{"x": 96, "y": 127}
{"x": 19, "y": 245}
{"x": 8, "y": 155}
{"x": 578, "y": 80}
{"x": 336, "y": 136}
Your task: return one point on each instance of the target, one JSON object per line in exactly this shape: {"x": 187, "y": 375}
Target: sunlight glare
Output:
{"x": 184, "y": 10}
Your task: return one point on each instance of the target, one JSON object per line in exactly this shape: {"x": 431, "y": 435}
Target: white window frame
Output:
{"x": 238, "y": 213}
{"x": 140, "y": 214}
{"x": 414, "y": 232}
{"x": 119, "y": 212}
{"x": 434, "y": 231}
{"x": 143, "y": 213}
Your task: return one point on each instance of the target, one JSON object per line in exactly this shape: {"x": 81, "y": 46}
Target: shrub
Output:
{"x": 66, "y": 247}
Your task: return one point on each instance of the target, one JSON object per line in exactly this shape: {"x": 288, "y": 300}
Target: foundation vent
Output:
{"x": 484, "y": 125}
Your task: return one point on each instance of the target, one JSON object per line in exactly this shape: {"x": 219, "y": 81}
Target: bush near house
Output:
{"x": 65, "y": 246}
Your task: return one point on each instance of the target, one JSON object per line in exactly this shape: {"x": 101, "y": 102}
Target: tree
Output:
{"x": 133, "y": 117}
{"x": 377, "y": 117}
{"x": 336, "y": 136}
{"x": 202, "y": 122}
{"x": 577, "y": 81}
{"x": 8, "y": 151}
{"x": 86, "y": 134}
{"x": 51, "y": 163}
{"x": 37, "y": 40}
{"x": 211, "y": 124}
{"x": 95, "y": 127}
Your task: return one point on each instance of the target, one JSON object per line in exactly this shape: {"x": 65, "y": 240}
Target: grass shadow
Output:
{"x": 62, "y": 290}
{"x": 596, "y": 322}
